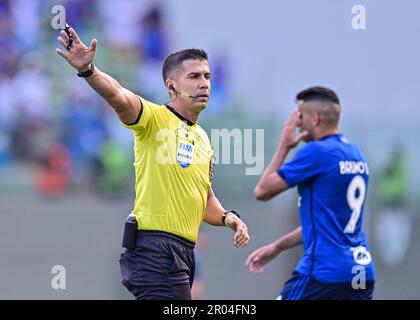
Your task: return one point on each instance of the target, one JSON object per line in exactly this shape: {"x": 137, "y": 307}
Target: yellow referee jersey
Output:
{"x": 172, "y": 161}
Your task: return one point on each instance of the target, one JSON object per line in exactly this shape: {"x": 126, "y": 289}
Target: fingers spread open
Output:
{"x": 62, "y": 53}
{"x": 75, "y": 36}
{"x": 62, "y": 42}
{"x": 64, "y": 35}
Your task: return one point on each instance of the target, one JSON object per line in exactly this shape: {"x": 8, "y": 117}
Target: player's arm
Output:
{"x": 126, "y": 104}
{"x": 257, "y": 260}
{"x": 213, "y": 215}
{"x": 271, "y": 183}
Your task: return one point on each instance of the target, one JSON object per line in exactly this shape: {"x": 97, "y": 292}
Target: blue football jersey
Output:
{"x": 332, "y": 178}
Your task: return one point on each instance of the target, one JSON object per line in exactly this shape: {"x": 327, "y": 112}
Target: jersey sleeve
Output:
{"x": 306, "y": 164}
{"x": 146, "y": 121}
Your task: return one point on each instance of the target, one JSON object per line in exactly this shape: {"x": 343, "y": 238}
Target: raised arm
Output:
{"x": 125, "y": 103}
{"x": 270, "y": 183}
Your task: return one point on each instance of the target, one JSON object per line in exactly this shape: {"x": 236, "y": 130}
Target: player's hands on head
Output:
{"x": 78, "y": 55}
{"x": 289, "y": 138}
{"x": 241, "y": 237}
{"x": 257, "y": 260}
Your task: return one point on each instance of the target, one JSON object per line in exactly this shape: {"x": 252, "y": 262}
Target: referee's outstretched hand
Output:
{"x": 78, "y": 55}
{"x": 241, "y": 237}
{"x": 289, "y": 138}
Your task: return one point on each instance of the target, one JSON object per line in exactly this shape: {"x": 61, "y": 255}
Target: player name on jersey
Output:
{"x": 353, "y": 167}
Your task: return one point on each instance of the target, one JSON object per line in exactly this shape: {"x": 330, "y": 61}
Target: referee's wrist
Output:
{"x": 226, "y": 213}
{"x": 84, "y": 73}
{"x": 84, "y": 69}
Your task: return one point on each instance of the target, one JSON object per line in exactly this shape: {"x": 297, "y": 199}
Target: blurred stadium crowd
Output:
{"x": 53, "y": 120}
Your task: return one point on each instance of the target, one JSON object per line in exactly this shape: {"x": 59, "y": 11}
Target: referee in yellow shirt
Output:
{"x": 173, "y": 166}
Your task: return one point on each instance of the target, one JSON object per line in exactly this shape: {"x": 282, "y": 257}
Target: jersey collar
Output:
{"x": 338, "y": 135}
{"x": 180, "y": 116}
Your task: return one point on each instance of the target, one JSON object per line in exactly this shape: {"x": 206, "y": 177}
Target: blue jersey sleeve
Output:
{"x": 306, "y": 164}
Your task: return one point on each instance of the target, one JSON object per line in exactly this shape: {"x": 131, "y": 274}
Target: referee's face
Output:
{"x": 194, "y": 81}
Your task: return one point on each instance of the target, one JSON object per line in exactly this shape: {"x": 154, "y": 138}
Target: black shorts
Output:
{"x": 302, "y": 287}
{"x": 160, "y": 267}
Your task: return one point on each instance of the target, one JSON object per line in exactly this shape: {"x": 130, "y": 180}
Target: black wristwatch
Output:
{"x": 225, "y": 213}
{"x": 87, "y": 73}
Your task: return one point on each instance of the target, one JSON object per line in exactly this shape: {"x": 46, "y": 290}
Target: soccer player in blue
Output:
{"x": 332, "y": 176}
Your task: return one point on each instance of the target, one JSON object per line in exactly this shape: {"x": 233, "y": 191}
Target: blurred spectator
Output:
{"x": 78, "y": 13}
{"x": 393, "y": 188}
{"x": 153, "y": 49}
{"x": 83, "y": 133}
{"x": 5, "y": 155}
{"x": 116, "y": 131}
{"x": 8, "y": 102}
{"x": 121, "y": 23}
{"x": 393, "y": 223}
{"x": 31, "y": 87}
{"x": 220, "y": 97}
{"x": 52, "y": 174}
{"x": 154, "y": 42}
{"x": 113, "y": 169}
{"x": 8, "y": 118}
{"x": 26, "y": 23}
{"x": 8, "y": 53}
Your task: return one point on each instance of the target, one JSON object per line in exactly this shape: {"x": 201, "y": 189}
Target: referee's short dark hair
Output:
{"x": 318, "y": 94}
{"x": 174, "y": 60}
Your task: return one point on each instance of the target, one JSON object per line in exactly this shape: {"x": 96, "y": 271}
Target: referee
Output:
{"x": 173, "y": 167}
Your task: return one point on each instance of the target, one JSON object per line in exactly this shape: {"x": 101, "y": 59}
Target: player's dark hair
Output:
{"x": 318, "y": 94}
{"x": 175, "y": 59}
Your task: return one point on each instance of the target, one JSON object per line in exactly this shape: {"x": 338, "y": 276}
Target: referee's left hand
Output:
{"x": 241, "y": 237}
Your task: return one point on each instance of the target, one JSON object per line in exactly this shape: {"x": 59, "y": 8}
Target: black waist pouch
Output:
{"x": 130, "y": 232}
